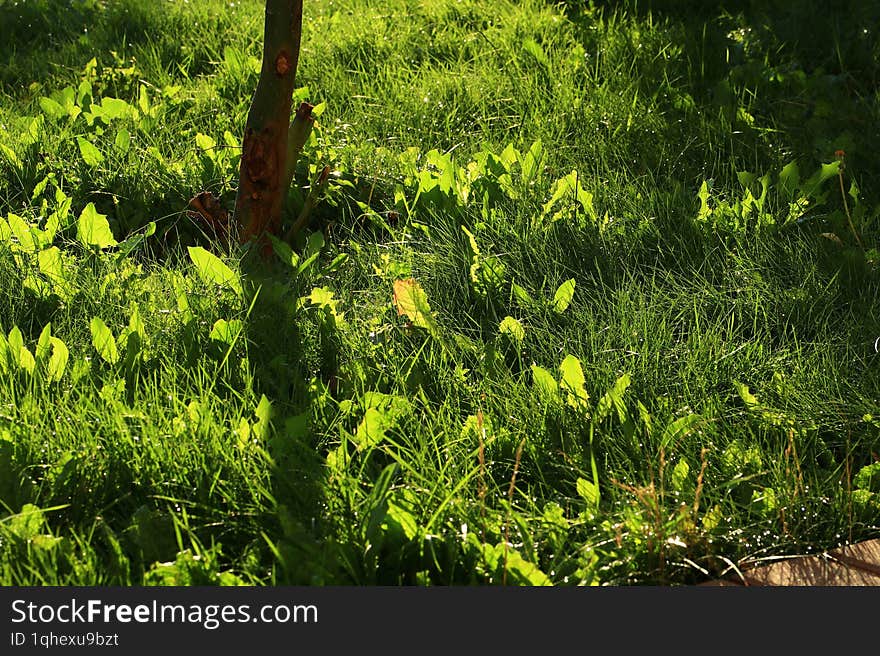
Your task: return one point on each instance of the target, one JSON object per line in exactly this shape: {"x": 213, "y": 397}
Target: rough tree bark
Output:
{"x": 263, "y": 176}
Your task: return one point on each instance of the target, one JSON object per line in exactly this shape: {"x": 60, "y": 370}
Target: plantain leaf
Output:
{"x": 573, "y": 381}
{"x": 545, "y": 382}
{"x": 562, "y": 297}
{"x": 512, "y": 328}
{"x": 589, "y": 492}
{"x": 212, "y": 270}
{"x": 103, "y": 341}
{"x": 90, "y": 153}
{"x": 613, "y": 400}
{"x": 93, "y": 229}
{"x": 58, "y": 360}
{"x": 412, "y": 301}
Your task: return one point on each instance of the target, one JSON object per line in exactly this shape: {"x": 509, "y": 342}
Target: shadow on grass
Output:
{"x": 793, "y": 79}
{"x": 40, "y": 39}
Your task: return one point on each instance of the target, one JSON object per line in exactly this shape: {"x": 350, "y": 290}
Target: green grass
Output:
{"x": 708, "y": 396}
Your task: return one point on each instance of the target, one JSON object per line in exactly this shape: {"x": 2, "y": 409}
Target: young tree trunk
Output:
{"x": 262, "y": 182}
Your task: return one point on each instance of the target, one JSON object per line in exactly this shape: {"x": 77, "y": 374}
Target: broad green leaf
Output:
{"x": 868, "y": 478}
{"x": 205, "y": 142}
{"x": 115, "y": 108}
{"x": 525, "y": 572}
{"x": 746, "y": 178}
{"x": 58, "y": 360}
{"x": 90, "y": 154}
{"x": 44, "y": 343}
{"x": 26, "y": 360}
{"x": 123, "y": 140}
{"x": 225, "y": 331}
{"x": 67, "y": 99}
{"x": 337, "y": 262}
{"x": 509, "y": 156}
{"x": 790, "y": 179}
{"x": 703, "y": 195}
{"x": 680, "y": 475}
{"x": 394, "y": 406}
{"x": 531, "y": 163}
{"x": 568, "y": 190}
{"x": 764, "y": 501}
{"x": 40, "y": 187}
{"x": 573, "y": 381}
{"x": 181, "y": 299}
{"x": 284, "y": 252}
{"x": 478, "y": 426}
{"x": 58, "y": 218}
{"x": 323, "y": 297}
{"x": 748, "y": 398}
{"x": 521, "y": 295}
{"x": 383, "y": 412}
{"x": 22, "y": 232}
{"x": 712, "y": 518}
{"x": 51, "y": 265}
{"x": 135, "y": 323}
{"x": 211, "y": 269}
{"x": 472, "y": 241}
{"x": 535, "y": 50}
{"x": 84, "y": 93}
{"x": 512, "y": 328}
{"x": 134, "y": 344}
{"x": 52, "y": 108}
{"x": 10, "y": 155}
{"x": 307, "y": 262}
{"x": 27, "y": 524}
{"x": 445, "y": 176}
{"x": 829, "y": 171}
{"x": 589, "y": 492}
{"x": 93, "y": 229}
{"x": 486, "y": 273}
{"x": 811, "y": 186}
{"x": 679, "y": 428}
{"x": 135, "y": 240}
{"x": 492, "y": 272}
{"x": 411, "y": 300}
{"x": 16, "y": 346}
{"x": 264, "y": 417}
{"x": 545, "y": 382}
{"x": 854, "y": 192}
{"x": 475, "y": 256}
{"x": 371, "y": 430}
{"x": 103, "y": 341}
{"x": 398, "y": 520}
{"x": 562, "y": 297}
{"x": 80, "y": 368}
{"x": 613, "y": 400}
{"x": 314, "y": 244}
{"x": 645, "y": 416}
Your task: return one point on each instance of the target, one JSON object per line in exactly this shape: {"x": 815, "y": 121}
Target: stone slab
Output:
{"x": 864, "y": 555}
{"x": 810, "y": 571}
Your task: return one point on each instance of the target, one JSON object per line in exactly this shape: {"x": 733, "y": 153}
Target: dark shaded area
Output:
{"x": 806, "y": 74}
{"x": 74, "y": 31}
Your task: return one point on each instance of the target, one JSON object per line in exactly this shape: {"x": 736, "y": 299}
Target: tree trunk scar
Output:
{"x": 259, "y": 156}
{"x": 282, "y": 63}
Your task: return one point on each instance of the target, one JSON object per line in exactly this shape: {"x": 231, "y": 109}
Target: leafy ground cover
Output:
{"x": 590, "y": 298}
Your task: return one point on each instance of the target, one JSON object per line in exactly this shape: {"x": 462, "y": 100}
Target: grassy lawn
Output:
{"x": 591, "y": 296}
